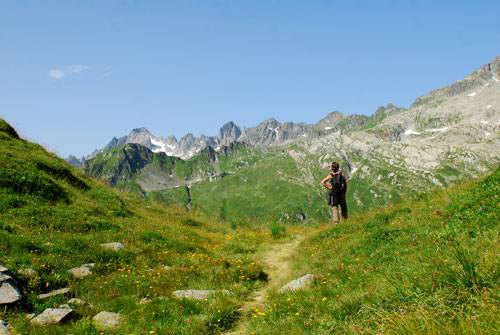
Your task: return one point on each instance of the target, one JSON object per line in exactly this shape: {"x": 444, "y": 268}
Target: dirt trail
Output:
{"x": 276, "y": 262}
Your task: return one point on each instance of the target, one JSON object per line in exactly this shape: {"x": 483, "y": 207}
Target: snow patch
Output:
{"x": 160, "y": 145}
{"x": 488, "y": 107}
{"x": 484, "y": 122}
{"x": 487, "y": 134}
{"x": 411, "y": 132}
{"x": 328, "y": 128}
{"x": 473, "y": 94}
{"x": 495, "y": 78}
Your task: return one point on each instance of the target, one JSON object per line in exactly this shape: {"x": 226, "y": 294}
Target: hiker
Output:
{"x": 336, "y": 183}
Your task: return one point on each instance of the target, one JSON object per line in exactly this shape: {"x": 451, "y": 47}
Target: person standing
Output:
{"x": 336, "y": 184}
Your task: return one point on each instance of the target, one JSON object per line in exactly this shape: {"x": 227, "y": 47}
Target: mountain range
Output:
{"x": 448, "y": 134}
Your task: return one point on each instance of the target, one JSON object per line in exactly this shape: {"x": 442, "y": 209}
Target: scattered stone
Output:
{"x": 166, "y": 268}
{"x": 115, "y": 246}
{"x": 3, "y": 269}
{"x": 54, "y": 293}
{"x": 82, "y": 271}
{"x": 65, "y": 306}
{"x": 298, "y": 283}
{"x": 144, "y": 301}
{"x": 77, "y": 302}
{"x": 52, "y": 316}
{"x": 9, "y": 293}
{"x": 4, "y": 328}
{"x": 197, "y": 294}
{"x": 27, "y": 272}
{"x": 107, "y": 320}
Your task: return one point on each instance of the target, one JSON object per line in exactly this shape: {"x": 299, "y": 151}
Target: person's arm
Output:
{"x": 324, "y": 183}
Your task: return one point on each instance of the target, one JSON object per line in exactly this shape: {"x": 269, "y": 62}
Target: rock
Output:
{"x": 3, "y": 269}
{"x": 65, "y": 306}
{"x": 144, "y": 301}
{"x": 77, "y": 302}
{"x": 27, "y": 272}
{"x": 107, "y": 320}
{"x": 115, "y": 246}
{"x": 166, "y": 268}
{"x": 4, "y": 328}
{"x": 9, "y": 293}
{"x": 82, "y": 271}
{"x": 54, "y": 293}
{"x": 52, "y": 316}
{"x": 197, "y": 294}
{"x": 298, "y": 283}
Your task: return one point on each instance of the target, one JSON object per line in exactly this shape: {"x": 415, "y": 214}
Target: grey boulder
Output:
{"x": 52, "y": 316}
{"x": 9, "y": 293}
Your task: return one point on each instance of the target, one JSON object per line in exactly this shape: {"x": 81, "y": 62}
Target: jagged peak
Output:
{"x": 140, "y": 130}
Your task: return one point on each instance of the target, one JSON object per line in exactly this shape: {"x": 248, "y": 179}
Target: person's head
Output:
{"x": 335, "y": 166}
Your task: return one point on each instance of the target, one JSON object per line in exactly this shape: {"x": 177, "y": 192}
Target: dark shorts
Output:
{"x": 338, "y": 200}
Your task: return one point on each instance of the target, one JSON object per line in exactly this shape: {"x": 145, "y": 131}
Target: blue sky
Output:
{"x": 73, "y": 74}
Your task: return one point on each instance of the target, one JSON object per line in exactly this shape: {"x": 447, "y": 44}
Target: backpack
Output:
{"x": 337, "y": 182}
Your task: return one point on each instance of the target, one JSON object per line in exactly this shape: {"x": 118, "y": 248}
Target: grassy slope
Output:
{"x": 424, "y": 267}
{"x": 52, "y": 218}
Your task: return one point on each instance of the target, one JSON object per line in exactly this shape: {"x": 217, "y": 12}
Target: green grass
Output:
{"x": 53, "y": 218}
{"x": 428, "y": 265}
{"x": 421, "y": 267}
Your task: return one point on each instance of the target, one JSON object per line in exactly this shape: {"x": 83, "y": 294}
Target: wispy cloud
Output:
{"x": 60, "y": 73}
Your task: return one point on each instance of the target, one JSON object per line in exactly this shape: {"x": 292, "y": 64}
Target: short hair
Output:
{"x": 335, "y": 166}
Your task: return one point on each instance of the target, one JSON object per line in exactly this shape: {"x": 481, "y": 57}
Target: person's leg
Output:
{"x": 343, "y": 207}
{"x": 335, "y": 214}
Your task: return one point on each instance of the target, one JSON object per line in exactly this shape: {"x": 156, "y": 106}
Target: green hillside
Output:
{"x": 53, "y": 218}
{"x": 424, "y": 267}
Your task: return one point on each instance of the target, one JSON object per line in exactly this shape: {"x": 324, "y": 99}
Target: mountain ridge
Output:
{"x": 388, "y": 156}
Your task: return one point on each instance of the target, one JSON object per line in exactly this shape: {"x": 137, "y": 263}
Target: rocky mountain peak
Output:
{"x": 229, "y": 133}
{"x": 331, "y": 120}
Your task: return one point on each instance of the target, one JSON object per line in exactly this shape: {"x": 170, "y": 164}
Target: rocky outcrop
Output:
{"x": 228, "y": 134}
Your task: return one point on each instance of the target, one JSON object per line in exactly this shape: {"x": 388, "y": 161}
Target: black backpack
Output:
{"x": 338, "y": 185}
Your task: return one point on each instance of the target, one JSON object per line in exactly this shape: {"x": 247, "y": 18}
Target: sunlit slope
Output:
{"x": 53, "y": 218}
{"x": 423, "y": 267}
